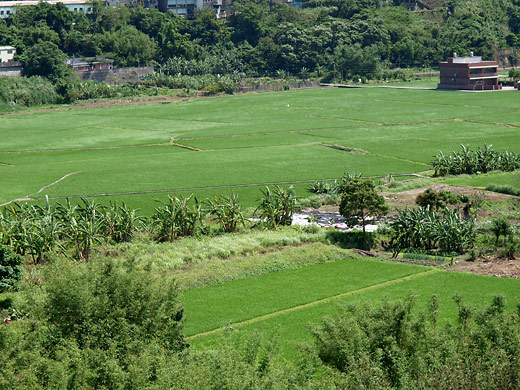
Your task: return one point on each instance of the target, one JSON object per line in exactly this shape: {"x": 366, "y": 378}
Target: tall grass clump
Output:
{"x": 503, "y": 189}
{"x": 27, "y": 91}
{"x": 469, "y": 161}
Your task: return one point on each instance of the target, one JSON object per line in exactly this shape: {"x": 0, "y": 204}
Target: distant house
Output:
{"x": 9, "y": 7}
{"x": 7, "y": 53}
{"x": 470, "y": 73}
{"x": 90, "y": 63}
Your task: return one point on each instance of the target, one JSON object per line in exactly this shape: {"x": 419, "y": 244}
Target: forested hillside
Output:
{"x": 334, "y": 38}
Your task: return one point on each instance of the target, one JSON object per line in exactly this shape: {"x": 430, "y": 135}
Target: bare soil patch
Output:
{"x": 503, "y": 268}
{"x": 407, "y": 198}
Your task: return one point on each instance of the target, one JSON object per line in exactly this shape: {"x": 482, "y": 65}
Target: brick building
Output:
{"x": 469, "y": 73}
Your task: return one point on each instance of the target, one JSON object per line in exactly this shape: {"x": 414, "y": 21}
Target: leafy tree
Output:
{"x": 359, "y": 202}
{"x": 45, "y": 59}
{"x": 248, "y": 22}
{"x": 128, "y": 46}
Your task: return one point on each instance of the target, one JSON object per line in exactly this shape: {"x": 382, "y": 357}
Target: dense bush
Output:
{"x": 503, "y": 189}
{"x": 394, "y": 347}
{"x": 428, "y": 229}
{"x": 177, "y": 218}
{"x": 31, "y": 91}
{"x": 277, "y": 206}
{"x": 95, "y": 325}
{"x": 469, "y": 161}
{"x": 10, "y": 268}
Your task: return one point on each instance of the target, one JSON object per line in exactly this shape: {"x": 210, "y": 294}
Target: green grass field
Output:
{"x": 284, "y": 304}
{"x": 136, "y": 153}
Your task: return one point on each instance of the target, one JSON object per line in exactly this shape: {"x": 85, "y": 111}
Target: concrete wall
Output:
{"x": 116, "y": 76}
{"x": 11, "y": 69}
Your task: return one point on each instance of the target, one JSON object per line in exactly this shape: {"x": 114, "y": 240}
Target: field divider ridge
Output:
{"x": 207, "y": 188}
{"x": 313, "y": 303}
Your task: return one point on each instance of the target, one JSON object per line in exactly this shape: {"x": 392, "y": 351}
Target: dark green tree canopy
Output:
{"x": 45, "y": 59}
{"x": 359, "y": 202}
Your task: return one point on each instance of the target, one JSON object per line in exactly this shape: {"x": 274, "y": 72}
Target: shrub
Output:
{"x": 10, "y": 268}
{"x": 393, "y": 346}
{"x": 177, "y": 218}
{"x": 27, "y": 92}
{"x": 103, "y": 304}
{"x": 435, "y": 199}
{"x": 227, "y": 210}
{"x": 277, "y": 206}
{"x": 428, "y": 229}
{"x": 503, "y": 189}
{"x": 469, "y": 162}
{"x": 501, "y": 227}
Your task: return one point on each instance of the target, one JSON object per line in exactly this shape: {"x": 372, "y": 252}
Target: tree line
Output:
{"x": 328, "y": 38}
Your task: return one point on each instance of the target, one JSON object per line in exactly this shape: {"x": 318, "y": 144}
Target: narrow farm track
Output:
{"x": 28, "y": 197}
{"x": 313, "y": 303}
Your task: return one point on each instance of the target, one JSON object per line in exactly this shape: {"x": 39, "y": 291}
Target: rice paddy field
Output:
{"x": 142, "y": 153}
{"x": 276, "y": 283}
{"x": 285, "y": 304}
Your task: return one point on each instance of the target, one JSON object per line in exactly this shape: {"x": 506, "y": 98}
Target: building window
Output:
{"x": 89, "y": 9}
{"x": 1, "y": 12}
{"x": 75, "y": 10}
{"x": 7, "y": 12}
{"x": 10, "y": 51}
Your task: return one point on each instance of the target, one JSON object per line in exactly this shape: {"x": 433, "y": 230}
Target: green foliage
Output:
{"x": 95, "y": 325}
{"x": 436, "y": 200}
{"x": 227, "y": 210}
{"x": 177, "y": 218}
{"x": 39, "y": 231}
{"x": 469, "y": 161}
{"x": 503, "y": 189}
{"x": 105, "y": 304}
{"x": 325, "y": 187}
{"x": 277, "y": 206}
{"x": 394, "y": 347}
{"x": 501, "y": 227}
{"x": 45, "y": 59}
{"x": 10, "y": 269}
{"x": 31, "y": 91}
{"x": 360, "y": 202}
{"x": 428, "y": 229}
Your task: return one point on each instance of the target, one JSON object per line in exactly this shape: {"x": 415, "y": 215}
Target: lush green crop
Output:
{"x": 137, "y": 153}
{"x": 292, "y": 326}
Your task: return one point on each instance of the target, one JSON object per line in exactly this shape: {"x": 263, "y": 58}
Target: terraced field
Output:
{"x": 284, "y": 304}
{"x": 141, "y": 153}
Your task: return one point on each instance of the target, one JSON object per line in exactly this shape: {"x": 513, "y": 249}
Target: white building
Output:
{"x": 9, "y": 7}
{"x": 7, "y": 53}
